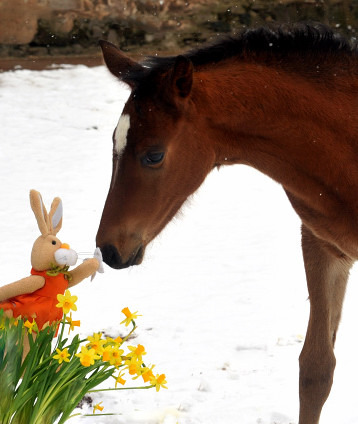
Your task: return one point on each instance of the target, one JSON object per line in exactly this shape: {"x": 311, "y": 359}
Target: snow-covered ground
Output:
{"x": 222, "y": 291}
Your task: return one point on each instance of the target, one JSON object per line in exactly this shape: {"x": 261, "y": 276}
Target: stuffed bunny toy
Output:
{"x": 35, "y": 297}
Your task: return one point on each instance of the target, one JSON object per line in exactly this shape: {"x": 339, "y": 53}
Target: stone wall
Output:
{"x": 74, "y": 26}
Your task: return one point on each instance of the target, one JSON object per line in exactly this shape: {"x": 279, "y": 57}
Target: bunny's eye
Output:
{"x": 53, "y": 242}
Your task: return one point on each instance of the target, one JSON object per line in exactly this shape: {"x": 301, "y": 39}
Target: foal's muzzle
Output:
{"x": 112, "y": 257}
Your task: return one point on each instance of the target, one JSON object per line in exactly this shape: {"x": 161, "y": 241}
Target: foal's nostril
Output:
{"x": 111, "y": 257}
{"x": 138, "y": 256}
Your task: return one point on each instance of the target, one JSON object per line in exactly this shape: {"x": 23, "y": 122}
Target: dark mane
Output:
{"x": 280, "y": 40}
{"x": 277, "y": 42}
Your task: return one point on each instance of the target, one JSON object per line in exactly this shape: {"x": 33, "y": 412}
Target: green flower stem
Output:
{"x": 63, "y": 322}
{"x": 43, "y": 363}
{"x": 131, "y": 332}
{"x": 90, "y": 415}
{"x": 122, "y": 388}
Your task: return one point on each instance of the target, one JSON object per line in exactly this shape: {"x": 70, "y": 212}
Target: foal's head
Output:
{"x": 159, "y": 155}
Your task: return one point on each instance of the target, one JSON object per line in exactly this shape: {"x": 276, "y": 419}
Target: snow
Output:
{"x": 222, "y": 290}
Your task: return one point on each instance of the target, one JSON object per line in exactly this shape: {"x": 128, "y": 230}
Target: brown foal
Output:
{"x": 283, "y": 100}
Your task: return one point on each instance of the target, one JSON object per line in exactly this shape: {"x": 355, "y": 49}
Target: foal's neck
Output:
{"x": 300, "y": 131}
{"x": 277, "y": 122}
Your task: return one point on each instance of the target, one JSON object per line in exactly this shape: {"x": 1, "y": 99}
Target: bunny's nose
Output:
{"x": 65, "y": 246}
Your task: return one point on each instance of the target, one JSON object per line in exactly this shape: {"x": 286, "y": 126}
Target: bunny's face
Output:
{"x": 48, "y": 250}
{"x": 43, "y": 252}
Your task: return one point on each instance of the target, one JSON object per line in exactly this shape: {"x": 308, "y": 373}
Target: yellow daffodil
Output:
{"x": 119, "y": 379}
{"x": 147, "y": 373}
{"x": 98, "y": 407}
{"x": 62, "y": 355}
{"x": 134, "y": 365}
{"x": 106, "y": 354}
{"x": 87, "y": 356}
{"x": 72, "y": 323}
{"x": 96, "y": 343}
{"x": 113, "y": 355}
{"x": 159, "y": 381}
{"x": 31, "y": 326}
{"x": 67, "y": 302}
{"x": 114, "y": 342}
{"x": 137, "y": 351}
{"x": 116, "y": 357}
{"x": 129, "y": 316}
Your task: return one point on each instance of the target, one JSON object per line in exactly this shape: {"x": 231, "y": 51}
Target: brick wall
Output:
{"x": 33, "y": 26}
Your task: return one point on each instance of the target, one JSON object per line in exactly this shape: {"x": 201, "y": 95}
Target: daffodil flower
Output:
{"x": 159, "y": 381}
{"x": 98, "y": 407}
{"x": 62, "y": 355}
{"x": 113, "y": 355}
{"x": 96, "y": 343}
{"x": 137, "y": 351}
{"x": 147, "y": 373}
{"x": 31, "y": 326}
{"x": 118, "y": 340}
{"x": 67, "y": 302}
{"x": 129, "y": 316}
{"x": 134, "y": 365}
{"x": 106, "y": 354}
{"x": 72, "y": 323}
{"x": 116, "y": 356}
{"x": 87, "y": 356}
{"x": 114, "y": 342}
{"x": 119, "y": 379}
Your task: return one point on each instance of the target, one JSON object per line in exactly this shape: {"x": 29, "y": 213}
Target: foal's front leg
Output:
{"x": 327, "y": 271}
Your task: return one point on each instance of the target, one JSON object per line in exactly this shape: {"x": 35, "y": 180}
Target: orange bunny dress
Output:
{"x": 40, "y": 304}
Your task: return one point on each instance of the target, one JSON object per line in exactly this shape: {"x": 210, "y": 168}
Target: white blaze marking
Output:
{"x": 120, "y": 141}
{"x": 120, "y": 135}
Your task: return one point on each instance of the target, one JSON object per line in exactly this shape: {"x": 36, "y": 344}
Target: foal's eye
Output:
{"x": 153, "y": 158}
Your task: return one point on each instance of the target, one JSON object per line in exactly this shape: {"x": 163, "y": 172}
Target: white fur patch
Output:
{"x": 120, "y": 135}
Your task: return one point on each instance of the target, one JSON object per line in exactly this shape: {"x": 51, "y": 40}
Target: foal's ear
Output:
{"x": 182, "y": 76}
{"x": 118, "y": 63}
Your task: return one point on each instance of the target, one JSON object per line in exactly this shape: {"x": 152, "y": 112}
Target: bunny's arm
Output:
{"x": 86, "y": 269}
{"x": 24, "y": 286}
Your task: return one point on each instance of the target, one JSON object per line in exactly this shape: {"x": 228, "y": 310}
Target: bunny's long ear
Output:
{"x": 40, "y": 212}
{"x": 55, "y": 215}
